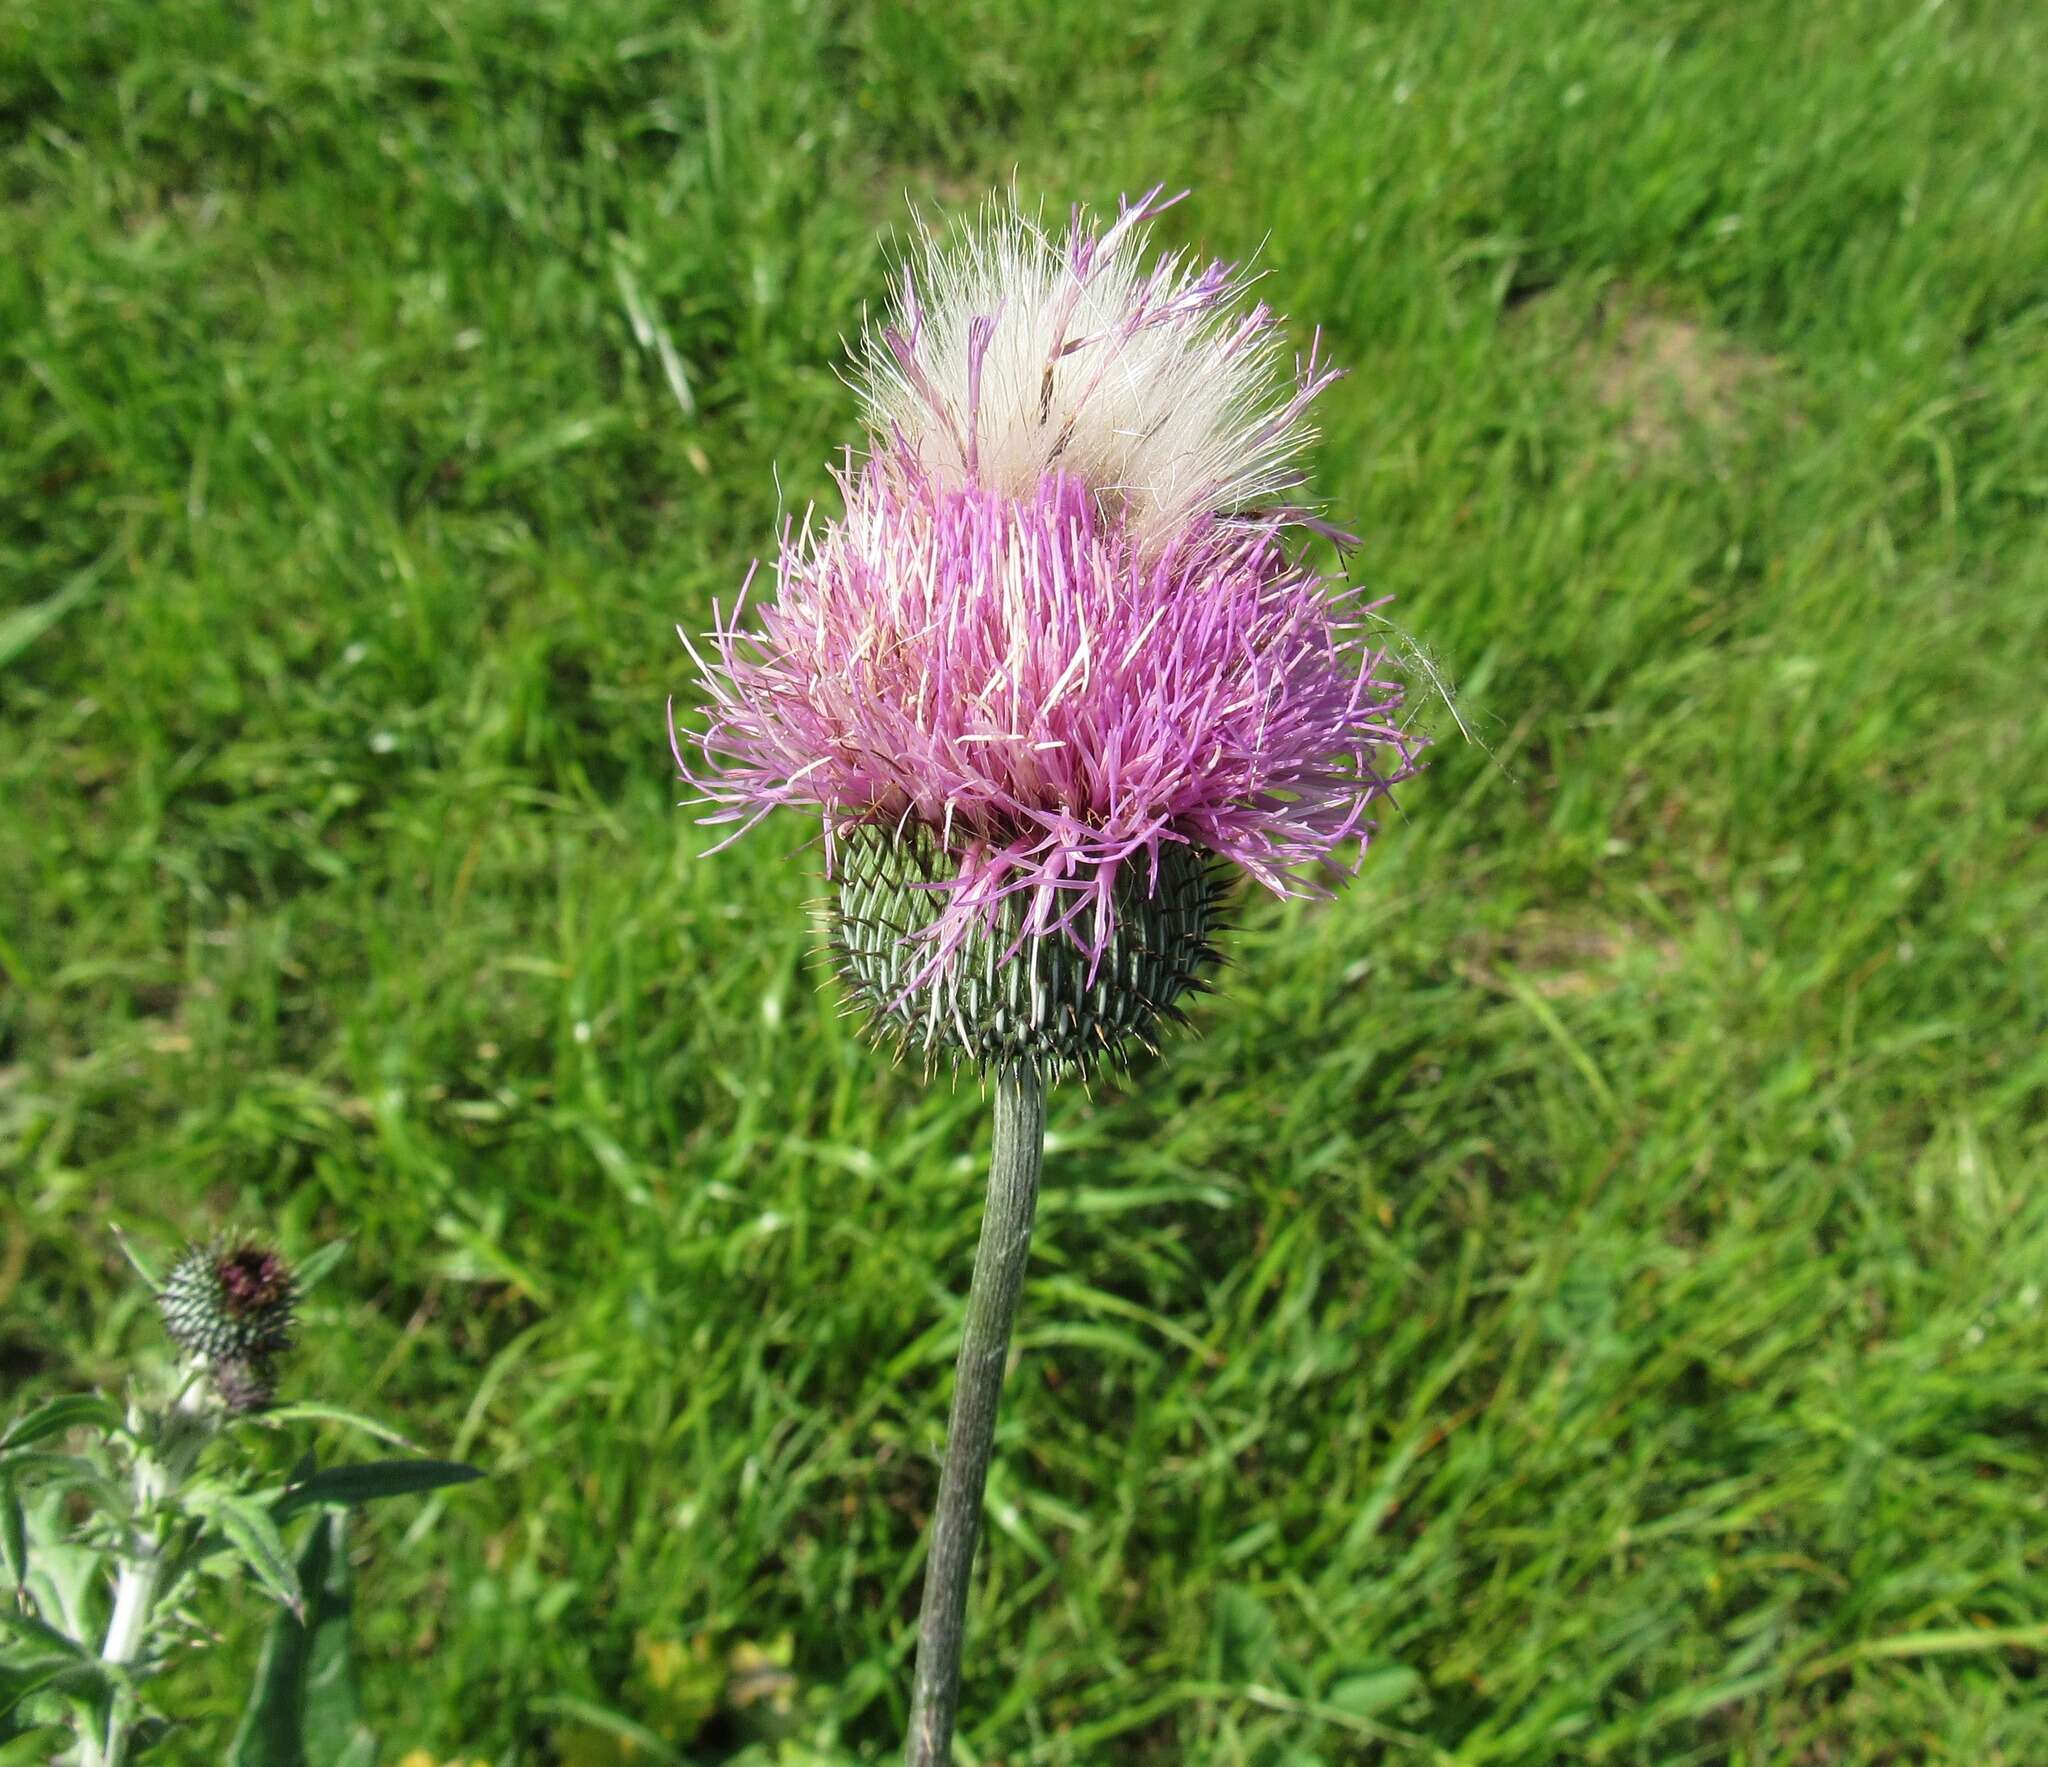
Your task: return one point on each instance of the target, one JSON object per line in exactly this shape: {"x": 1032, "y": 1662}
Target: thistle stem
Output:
{"x": 999, "y": 1262}
{"x": 159, "y": 1470}
{"x": 134, "y": 1598}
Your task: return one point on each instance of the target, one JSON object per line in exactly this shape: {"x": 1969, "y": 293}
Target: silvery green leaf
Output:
{"x": 54, "y": 1416}
{"x": 17, "y": 1682}
{"x": 65, "y": 1580}
{"x": 374, "y": 1479}
{"x": 247, "y": 1527}
{"x": 40, "y": 1636}
{"x": 40, "y": 1473}
{"x": 303, "y": 1710}
{"x": 311, "y": 1413}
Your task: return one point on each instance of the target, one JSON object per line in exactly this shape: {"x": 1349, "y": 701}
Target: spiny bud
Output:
{"x": 245, "y": 1383}
{"x": 230, "y": 1301}
{"x": 1043, "y": 1005}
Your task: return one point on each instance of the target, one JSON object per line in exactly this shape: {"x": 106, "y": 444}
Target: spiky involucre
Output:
{"x": 1009, "y": 1000}
{"x": 230, "y": 1301}
{"x": 1012, "y": 353}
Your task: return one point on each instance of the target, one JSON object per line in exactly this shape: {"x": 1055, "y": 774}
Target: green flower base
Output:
{"x": 1039, "y": 1010}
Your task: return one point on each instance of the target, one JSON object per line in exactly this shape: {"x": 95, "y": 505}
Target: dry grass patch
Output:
{"x": 1663, "y": 374}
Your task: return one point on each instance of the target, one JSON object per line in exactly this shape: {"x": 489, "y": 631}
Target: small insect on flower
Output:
{"x": 1063, "y": 659}
{"x": 230, "y": 1301}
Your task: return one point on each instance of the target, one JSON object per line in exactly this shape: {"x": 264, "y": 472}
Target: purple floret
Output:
{"x": 1048, "y": 697}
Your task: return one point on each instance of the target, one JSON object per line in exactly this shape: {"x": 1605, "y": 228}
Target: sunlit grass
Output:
{"x": 1581, "y": 1295}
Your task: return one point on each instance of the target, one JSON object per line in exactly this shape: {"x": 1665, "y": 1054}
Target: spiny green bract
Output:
{"x": 1038, "y": 1008}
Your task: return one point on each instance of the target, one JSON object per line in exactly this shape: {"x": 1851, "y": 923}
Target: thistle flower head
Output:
{"x": 230, "y": 1300}
{"x": 1054, "y": 658}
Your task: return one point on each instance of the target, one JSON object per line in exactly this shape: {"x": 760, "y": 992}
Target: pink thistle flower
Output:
{"x": 1017, "y": 678}
{"x": 1055, "y": 634}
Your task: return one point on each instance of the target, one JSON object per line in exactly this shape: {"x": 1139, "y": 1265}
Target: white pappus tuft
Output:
{"x": 1011, "y": 354}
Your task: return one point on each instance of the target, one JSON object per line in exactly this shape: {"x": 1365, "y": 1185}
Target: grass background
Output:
{"x": 1581, "y": 1296}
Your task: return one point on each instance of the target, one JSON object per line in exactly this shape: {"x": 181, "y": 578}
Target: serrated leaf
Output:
{"x": 18, "y": 1681}
{"x": 83, "y": 1684}
{"x": 303, "y": 1710}
{"x": 247, "y": 1527}
{"x": 374, "y": 1479}
{"x": 88, "y": 1689}
{"x": 54, "y": 1416}
{"x": 41, "y": 1475}
{"x": 59, "y": 1470}
{"x": 64, "y": 1579}
{"x": 42, "y": 1635}
{"x": 184, "y": 1552}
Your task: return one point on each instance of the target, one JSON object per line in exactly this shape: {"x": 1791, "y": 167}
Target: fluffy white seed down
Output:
{"x": 1010, "y": 354}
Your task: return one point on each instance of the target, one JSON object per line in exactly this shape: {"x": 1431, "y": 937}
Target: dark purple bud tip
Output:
{"x": 253, "y": 1281}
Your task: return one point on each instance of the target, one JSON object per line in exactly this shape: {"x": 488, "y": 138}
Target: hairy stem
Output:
{"x": 134, "y": 1599}
{"x": 158, "y": 1472}
{"x": 999, "y": 1263}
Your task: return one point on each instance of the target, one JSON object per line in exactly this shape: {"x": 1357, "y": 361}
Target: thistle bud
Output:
{"x": 245, "y": 1384}
{"x": 1007, "y": 996}
{"x": 230, "y": 1301}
